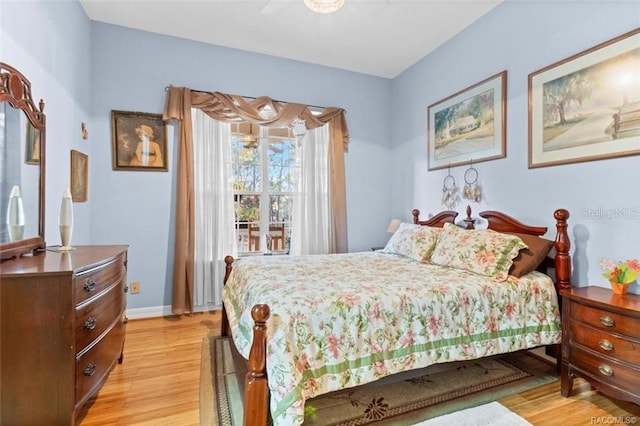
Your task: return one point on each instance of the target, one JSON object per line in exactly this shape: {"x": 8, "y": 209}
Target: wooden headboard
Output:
{"x": 438, "y": 220}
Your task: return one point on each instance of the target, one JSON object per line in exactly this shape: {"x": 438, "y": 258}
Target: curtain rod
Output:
{"x": 249, "y": 97}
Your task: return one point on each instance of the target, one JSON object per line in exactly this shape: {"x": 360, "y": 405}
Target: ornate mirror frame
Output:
{"x": 16, "y": 90}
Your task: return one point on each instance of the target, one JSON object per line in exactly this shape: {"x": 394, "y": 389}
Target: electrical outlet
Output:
{"x": 135, "y": 287}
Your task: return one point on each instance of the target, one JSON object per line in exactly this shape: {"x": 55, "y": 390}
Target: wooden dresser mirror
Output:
{"x": 22, "y": 176}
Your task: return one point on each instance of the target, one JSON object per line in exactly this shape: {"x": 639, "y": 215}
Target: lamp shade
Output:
{"x": 15, "y": 215}
{"x": 393, "y": 225}
{"x": 66, "y": 220}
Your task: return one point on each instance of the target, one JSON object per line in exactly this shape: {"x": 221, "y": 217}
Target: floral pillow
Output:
{"x": 413, "y": 241}
{"x": 481, "y": 251}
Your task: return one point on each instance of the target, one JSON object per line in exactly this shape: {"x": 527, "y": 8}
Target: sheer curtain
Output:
{"x": 214, "y": 215}
{"x": 310, "y": 220}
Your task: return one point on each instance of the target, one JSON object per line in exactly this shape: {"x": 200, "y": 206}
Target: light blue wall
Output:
{"x": 522, "y": 37}
{"x": 49, "y": 42}
{"x": 84, "y": 69}
{"x": 130, "y": 70}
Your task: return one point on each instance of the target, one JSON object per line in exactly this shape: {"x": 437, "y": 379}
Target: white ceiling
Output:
{"x": 376, "y": 37}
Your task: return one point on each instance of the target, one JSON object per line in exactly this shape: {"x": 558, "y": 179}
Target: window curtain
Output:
{"x": 311, "y": 219}
{"x": 229, "y": 108}
{"x": 214, "y": 215}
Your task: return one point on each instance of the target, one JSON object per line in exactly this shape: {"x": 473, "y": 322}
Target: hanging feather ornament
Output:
{"x": 450, "y": 196}
{"x": 471, "y": 190}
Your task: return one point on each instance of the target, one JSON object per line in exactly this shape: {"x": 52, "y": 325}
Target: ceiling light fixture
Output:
{"x": 324, "y": 6}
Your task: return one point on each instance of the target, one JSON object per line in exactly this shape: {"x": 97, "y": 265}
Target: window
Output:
{"x": 263, "y": 170}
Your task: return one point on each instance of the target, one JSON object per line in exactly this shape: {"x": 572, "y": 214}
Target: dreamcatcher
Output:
{"x": 471, "y": 190}
{"x": 450, "y": 196}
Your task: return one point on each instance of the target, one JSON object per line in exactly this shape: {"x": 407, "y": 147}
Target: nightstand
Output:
{"x": 601, "y": 341}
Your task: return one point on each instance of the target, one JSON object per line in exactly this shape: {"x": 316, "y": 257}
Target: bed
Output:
{"x": 309, "y": 325}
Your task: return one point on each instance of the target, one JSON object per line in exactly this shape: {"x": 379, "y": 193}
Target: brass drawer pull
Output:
{"x": 607, "y": 321}
{"x": 90, "y": 323}
{"x": 605, "y": 370}
{"x": 90, "y": 285}
{"x": 605, "y": 345}
{"x": 91, "y": 369}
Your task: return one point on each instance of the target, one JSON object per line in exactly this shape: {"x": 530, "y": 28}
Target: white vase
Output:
{"x": 66, "y": 220}
{"x": 15, "y": 215}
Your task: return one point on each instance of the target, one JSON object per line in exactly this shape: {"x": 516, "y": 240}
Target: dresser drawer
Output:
{"x": 606, "y": 370}
{"x": 94, "y": 365}
{"x": 89, "y": 283}
{"x": 606, "y": 343}
{"x": 605, "y": 320}
{"x": 94, "y": 318}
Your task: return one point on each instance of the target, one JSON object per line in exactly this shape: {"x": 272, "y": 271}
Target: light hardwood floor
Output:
{"x": 158, "y": 383}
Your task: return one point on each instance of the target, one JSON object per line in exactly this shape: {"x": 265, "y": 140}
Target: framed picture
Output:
{"x": 31, "y": 144}
{"x": 139, "y": 141}
{"x": 587, "y": 107}
{"x": 469, "y": 126}
{"x": 79, "y": 176}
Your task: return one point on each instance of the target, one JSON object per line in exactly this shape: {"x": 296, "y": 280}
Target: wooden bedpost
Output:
{"x": 562, "y": 245}
{"x": 416, "y": 215}
{"x": 224, "y": 324}
{"x": 469, "y": 220}
{"x": 256, "y": 399}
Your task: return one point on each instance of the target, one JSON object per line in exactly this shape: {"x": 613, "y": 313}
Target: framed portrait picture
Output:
{"x": 587, "y": 107}
{"x": 79, "y": 176}
{"x": 139, "y": 141}
{"x": 469, "y": 126}
{"x": 31, "y": 144}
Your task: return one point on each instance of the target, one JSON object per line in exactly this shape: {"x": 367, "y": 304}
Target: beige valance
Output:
{"x": 230, "y": 108}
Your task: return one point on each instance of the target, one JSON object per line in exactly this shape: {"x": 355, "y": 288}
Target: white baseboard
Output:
{"x": 163, "y": 311}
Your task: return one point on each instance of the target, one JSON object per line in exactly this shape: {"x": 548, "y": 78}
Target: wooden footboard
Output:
{"x": 256, "y": 387}
{"x": 256, "y": 403}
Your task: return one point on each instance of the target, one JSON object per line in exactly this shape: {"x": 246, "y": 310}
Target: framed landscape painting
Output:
{"x": 587, "y": 107}
{"x": 469, "y": 126}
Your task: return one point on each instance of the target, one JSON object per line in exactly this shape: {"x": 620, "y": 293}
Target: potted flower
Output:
{"x": 620, "y": 274}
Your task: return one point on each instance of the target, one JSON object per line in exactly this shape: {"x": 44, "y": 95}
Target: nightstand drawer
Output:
{"x": 601, "y": 341}
{"x": 605, "y": 343}
{"x": 605, "y": 320}
{"x": 606, "y": 370}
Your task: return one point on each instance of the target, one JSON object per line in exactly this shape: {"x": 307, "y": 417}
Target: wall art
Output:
{"x": 139, "y": 141}
{"x": 469, "y": 125}
{"x": 587, "y": 107}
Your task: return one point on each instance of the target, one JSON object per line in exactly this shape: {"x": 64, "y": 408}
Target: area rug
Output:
{"x": 491, "y": 414}
{"x": 442, "y": 389}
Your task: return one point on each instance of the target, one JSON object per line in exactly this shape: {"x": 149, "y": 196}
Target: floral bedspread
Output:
{"x": 343, "y": 320}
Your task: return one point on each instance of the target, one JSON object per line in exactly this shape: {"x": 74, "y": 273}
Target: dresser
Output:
{"x": 601, "y": 341}
{"x": 62, "y": 323}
